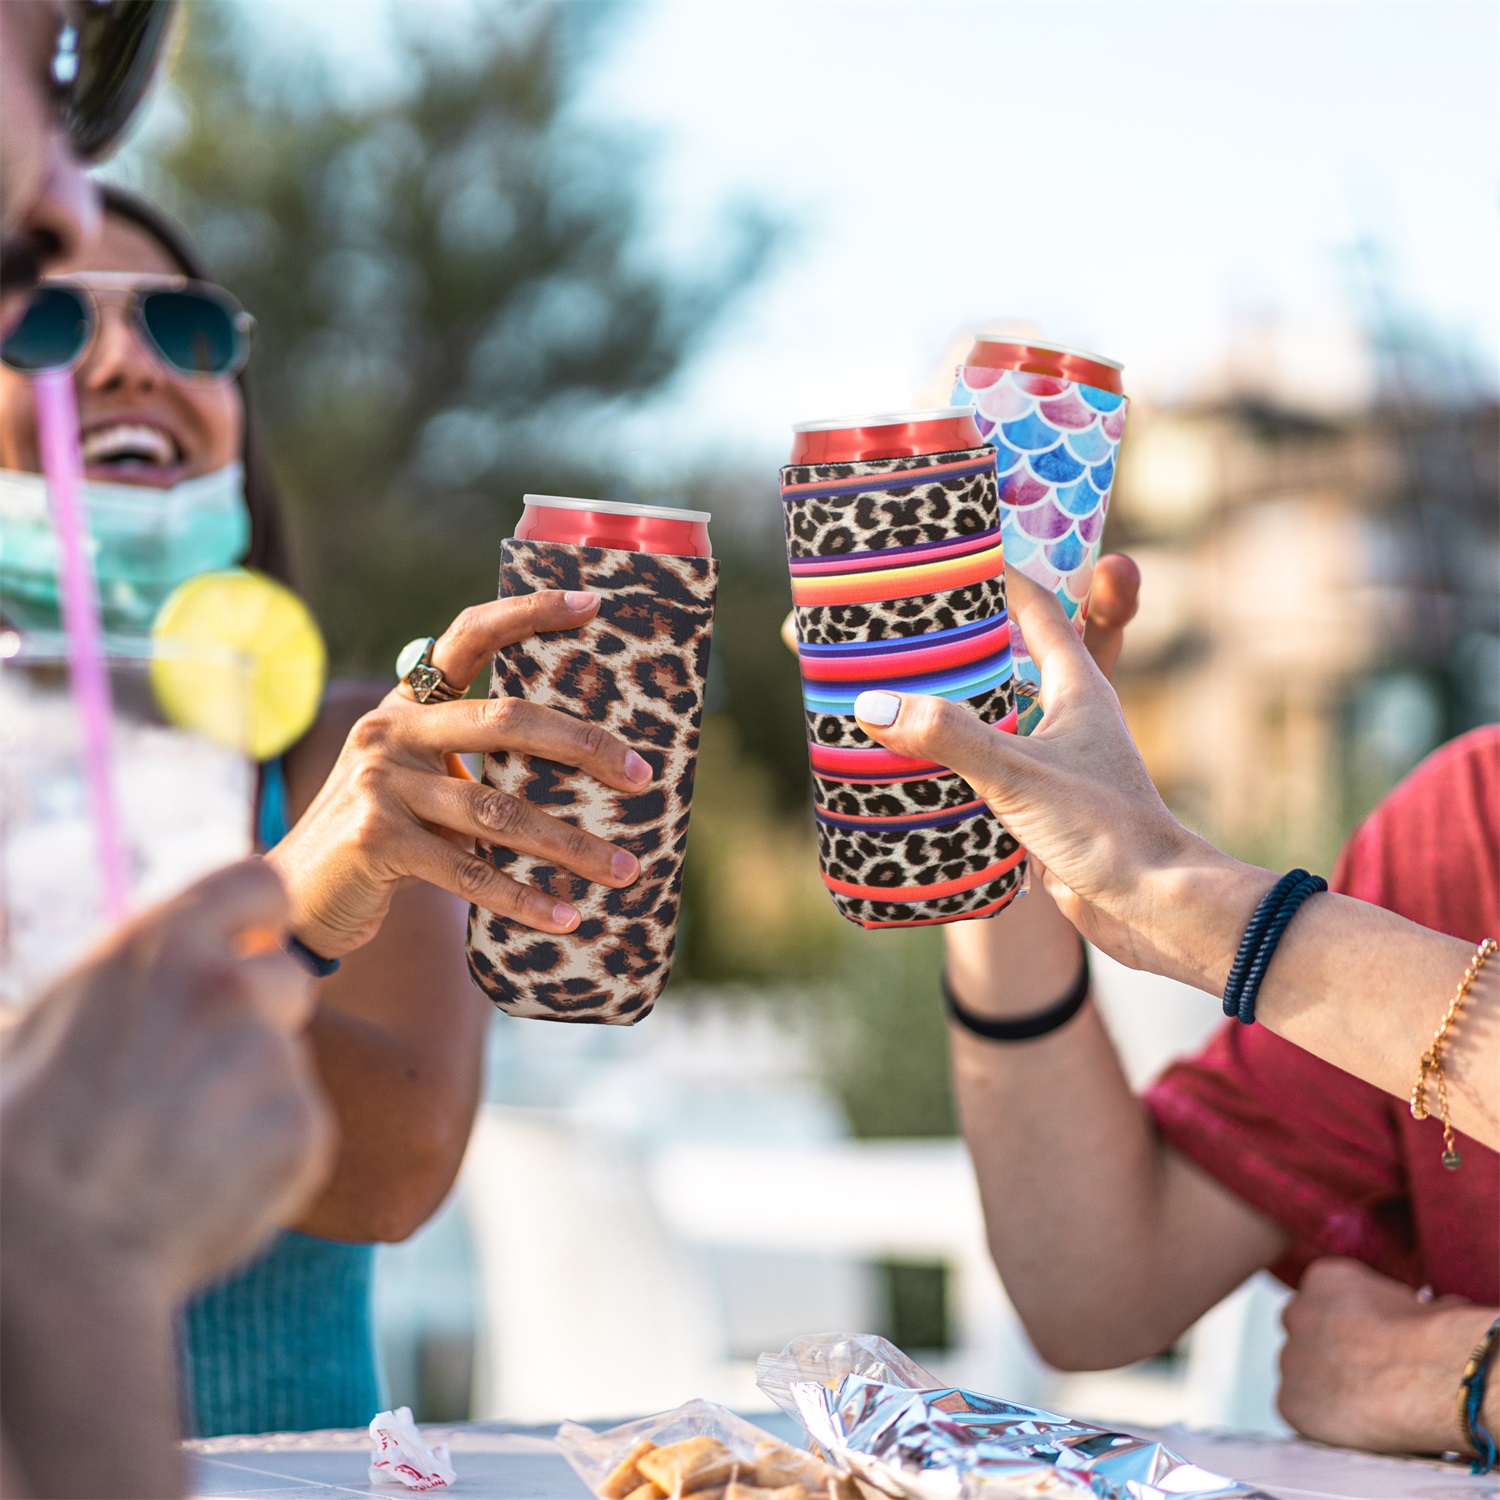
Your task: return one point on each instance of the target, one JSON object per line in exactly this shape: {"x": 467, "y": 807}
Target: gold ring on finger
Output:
{"x": 414, "y": 667}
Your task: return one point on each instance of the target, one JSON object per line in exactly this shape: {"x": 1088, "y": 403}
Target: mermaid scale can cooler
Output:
{"x": 1055, "y": 417}
{"x": 638, "y": 669}
{"x": 898, "y": 582}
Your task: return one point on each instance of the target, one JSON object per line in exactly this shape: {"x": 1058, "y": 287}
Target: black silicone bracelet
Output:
{"x": 319, "y": 968}
{"x": 1020, "y": 1028}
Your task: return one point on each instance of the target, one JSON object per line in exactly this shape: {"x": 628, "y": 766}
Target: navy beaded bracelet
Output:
{"x": 1309, "y": 885}
{"x": 318, "y": 967}
{"x": 1251, "y": 940}
{"x": 1272, "y": 917}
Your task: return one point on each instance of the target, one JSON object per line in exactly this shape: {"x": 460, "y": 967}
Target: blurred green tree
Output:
{"x": 450, "y": 287}
{"x": 454, "y": 292}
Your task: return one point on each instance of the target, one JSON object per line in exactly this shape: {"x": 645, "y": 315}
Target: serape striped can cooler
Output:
{"x": 898, "y": 582}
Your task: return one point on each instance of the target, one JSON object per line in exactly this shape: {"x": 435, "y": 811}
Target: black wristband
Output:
{"x": 319, "y": 968}
{"x": 1021, "y": 1028}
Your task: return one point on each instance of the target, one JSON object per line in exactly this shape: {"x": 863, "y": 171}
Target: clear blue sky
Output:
{"x": 1134, "y": 178}
{"x": 1130, "y": 177}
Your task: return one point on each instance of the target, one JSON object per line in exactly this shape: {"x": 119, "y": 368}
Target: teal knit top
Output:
{"x": 286, "y": 1343}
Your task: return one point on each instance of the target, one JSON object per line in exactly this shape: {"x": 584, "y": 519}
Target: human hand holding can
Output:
{"x": 637, "y": 669}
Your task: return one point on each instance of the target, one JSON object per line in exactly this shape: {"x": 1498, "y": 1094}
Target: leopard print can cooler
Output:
{"x": 898, "y": 582}
{"x": 638, "y": 669}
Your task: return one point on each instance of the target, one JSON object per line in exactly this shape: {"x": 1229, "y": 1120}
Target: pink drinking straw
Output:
{"x": 62, "y": 463}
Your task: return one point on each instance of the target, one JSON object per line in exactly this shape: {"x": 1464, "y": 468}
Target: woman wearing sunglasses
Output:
{"x": 363, "y": 803}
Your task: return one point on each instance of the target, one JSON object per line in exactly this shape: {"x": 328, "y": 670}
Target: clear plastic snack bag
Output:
{"x": 698, "y": 1450}
{"x": 901, "y": 1432}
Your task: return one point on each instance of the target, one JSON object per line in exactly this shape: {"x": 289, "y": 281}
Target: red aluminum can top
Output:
{"x": 902, "y": 434}
{"x": 1006, "y": 351}
{"x": 613, "y": 523}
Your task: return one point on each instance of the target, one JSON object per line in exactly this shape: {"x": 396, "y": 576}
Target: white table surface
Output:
{"x": 497, "y": 1462}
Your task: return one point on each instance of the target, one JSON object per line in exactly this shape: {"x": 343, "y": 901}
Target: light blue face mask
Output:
{"x": 145, "y": 542}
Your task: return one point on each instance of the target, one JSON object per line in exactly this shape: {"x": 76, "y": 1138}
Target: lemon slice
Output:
{"x": 238, "y": 658}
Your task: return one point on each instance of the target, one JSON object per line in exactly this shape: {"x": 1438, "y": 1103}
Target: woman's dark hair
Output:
{"x": 270, "y": 541}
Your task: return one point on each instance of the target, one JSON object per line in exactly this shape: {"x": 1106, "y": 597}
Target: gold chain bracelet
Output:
{"x": 1431, "y": 1062}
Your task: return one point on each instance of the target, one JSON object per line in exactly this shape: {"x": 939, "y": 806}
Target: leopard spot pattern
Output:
{"x": 865, "y": 857}
{"x": 874, "y": 799}
{"x": 638, "y": 669}
{"x": 838, "y": 624}
{"x": 869, "y": 913}
{"x": 843, "y": 730}
{"x": 924, "y": 511}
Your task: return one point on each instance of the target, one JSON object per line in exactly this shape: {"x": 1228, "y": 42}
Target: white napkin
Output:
{"x": 400, "y": 1455}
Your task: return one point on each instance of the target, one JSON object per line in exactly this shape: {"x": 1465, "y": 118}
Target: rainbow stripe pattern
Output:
{"x": 902, "y": 842}
{"x": 1056, "y": 443}
{"x": 899, "y": 474}
{"x": 980, "y": 661}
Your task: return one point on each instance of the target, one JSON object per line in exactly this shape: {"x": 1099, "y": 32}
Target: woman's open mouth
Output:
{"x": 132, "y": 452}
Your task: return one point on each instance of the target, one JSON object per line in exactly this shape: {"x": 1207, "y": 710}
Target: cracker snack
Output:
{"x": 697, "y": 1452}
{"x": 626, "y": 1481}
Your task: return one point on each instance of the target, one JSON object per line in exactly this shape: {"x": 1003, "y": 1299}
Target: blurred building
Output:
{"x": 1320, "y": 605}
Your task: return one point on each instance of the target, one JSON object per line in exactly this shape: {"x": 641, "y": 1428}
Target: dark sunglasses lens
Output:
{"x": 193, "y": 333}
{"x": 52, "y": 334}
{"x": 119, "y": 46}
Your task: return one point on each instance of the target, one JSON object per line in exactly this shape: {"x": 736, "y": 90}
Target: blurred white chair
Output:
{"x": 865, "y": 1200}
{"x": 622, "y": 1261}
{"x": 588, "y": 1307}
{"x": 1232, "y": 1372}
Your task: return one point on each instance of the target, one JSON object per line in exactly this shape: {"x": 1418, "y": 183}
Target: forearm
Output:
{"x": 1068, "y": 1175}
{"x": 1086, "y": 1208}
{"x": 404, "y": 1121}
{"x": 398, "y": 1035}
{"x": 1352, "y": 983}
{"x": 90, "y": 1384}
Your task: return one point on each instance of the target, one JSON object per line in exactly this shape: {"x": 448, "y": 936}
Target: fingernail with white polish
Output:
{"x": 580, "y": 598}
{"x": 879, "y": 709}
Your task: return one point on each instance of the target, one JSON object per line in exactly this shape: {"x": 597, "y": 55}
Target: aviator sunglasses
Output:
{"x": 105, "y": 57}
{"x": 193, "y": 327}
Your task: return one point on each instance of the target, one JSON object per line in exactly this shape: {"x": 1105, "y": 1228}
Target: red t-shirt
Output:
{"x": 1340, "y": 1165}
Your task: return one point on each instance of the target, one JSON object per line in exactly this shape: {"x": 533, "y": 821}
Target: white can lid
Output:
{"x": 1030, "y": 343}
{"x": 886, "y": 419}
{"x": 619, "y": 508}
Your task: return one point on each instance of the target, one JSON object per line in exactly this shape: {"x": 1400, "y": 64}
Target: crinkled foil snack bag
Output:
{"x": 901, "y": 1432}
{"x": 638, "y": 669}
